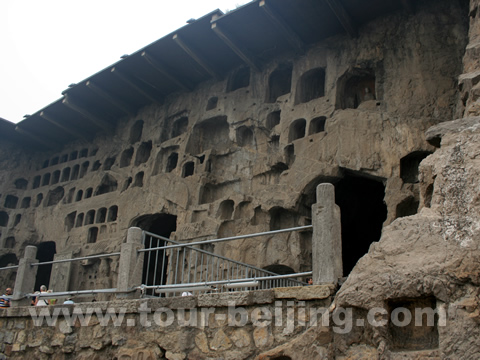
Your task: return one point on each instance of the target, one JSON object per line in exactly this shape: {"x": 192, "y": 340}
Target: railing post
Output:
{"x": 60, "y": 275}
{"x": 327, "y": 237}
{"x": 131, "y": 263}
{"x": 26, "y": 276}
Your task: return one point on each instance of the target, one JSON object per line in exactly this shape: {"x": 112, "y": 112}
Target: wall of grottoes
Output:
{"x": 245, "y": 154}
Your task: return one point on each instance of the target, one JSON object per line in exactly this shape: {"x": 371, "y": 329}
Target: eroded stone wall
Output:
{"x": 229, "y": 326}
{"x": 430, "y": 256}
{"x": 245, "y": 154}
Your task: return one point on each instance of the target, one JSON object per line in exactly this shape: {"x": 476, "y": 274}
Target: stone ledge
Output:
{"x": 311, "y": 292}
{"x": 435, "y": 133}
{"x": 130, "y": 306}
{"x": 240, "y": 298}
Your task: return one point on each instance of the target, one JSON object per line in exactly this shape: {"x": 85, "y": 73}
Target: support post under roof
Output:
{"x": 197, "y": 58}
{"x": 343, "y": 17}
{"x": 126, "y": 79}
{"x": 292, "y": 38}
{"x": 51, "y": 120}
{"x": 34, "y": 137}
{"x": 68, "y": 102}
{"x": 408, "y": 5}
{"x": 242, "y": 53}
{"x": 110, "y": 98}
{"x": 165, "y": 72}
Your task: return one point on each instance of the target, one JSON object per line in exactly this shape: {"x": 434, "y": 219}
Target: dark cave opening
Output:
{"x": 362, "y": 215}
{"x": 155, "y": 264}
{"x": 45, "y": 252}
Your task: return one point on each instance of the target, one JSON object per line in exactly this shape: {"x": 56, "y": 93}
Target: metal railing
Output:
{"x": 174, "y": 268}
{"x": 193, "y": 270}
{"x": 226, "y": 285}
{"x": 76, "y": 259}
{"x": 64, "y": 260}
{"x": 65, "y": 293}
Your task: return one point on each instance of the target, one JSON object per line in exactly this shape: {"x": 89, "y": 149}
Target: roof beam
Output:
{"x": 94, "y": 119}
{"x": 166, "y": 73}
{"x": 343, "y": 17}
{"x": 35, "y": 138}
{"x": 408, "y": 5}
{"x": 292, "y": 38}
{"x": 76, "y": 134}
{"x": 111, "y": 99}
{"x": 203, "y": 64}
{"x": 242, "y": 53}
{"x": 126, "y": 79}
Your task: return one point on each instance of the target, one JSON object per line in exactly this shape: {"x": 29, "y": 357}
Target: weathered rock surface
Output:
{"x": 248, "y": 164}
{"x": 433, "y": 254}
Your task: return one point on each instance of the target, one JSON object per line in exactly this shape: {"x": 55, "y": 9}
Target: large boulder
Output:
{"x": 428, "y": 258}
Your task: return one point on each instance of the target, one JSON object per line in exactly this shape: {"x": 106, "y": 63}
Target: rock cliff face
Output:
{"x": 431, "y": 255}
{"x": 244, "y": 154}
{"x": 430, "y": 259}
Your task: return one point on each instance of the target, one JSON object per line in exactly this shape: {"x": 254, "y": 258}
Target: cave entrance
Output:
{"x": 362, "y": 215}
{"x": 280, "y": 269}
{"x": 155, "y": 263}
{"x": 45, "y": 252}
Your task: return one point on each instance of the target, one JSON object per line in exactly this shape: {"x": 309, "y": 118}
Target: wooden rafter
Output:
{"x": 128, "y": 80}
{"x": 196, "y": 57}
{"x": 35, "y": 138}
{"x": 290, "y": 35}
{"x": 408, "y": 6}
{"x": 165, "y": 72}
{"x": 94, "y": 119}
{"x": 51, "y": 120}
{"x": 110, "y": 98}
{"x": 242, "y": 53}
{"x": 343, "y": 17}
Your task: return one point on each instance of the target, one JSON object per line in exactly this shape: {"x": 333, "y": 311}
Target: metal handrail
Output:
{"x": 64, "y": 260}
{"x": 177, "y": 244}
{"x": 234, "y": 270}
{"x": 189, "y": 246}
{"x": 75, "y": 259}
{"x": 189, "y": 265}
{"x": 221, "y": 282}
{"x": 223, "y": 239}
{"x": 77, "y": 292}
{"x": 9, "y": 267}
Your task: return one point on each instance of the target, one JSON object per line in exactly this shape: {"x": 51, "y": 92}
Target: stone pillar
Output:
{"x": 60, "y": 276}
{"x": 26, "y": 276}
{"x": 131, "y": 263}
{"x": 327, "y": 237}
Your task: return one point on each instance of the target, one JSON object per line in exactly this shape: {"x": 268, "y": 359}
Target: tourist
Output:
{"x": 34, "y": 298}
{"x": 51, "y": 301}
{"x": 5, "y": 298}
{"x": 40, "y": 301}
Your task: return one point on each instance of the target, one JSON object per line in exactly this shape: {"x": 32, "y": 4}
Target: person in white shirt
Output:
{"x": 41, "y": 301}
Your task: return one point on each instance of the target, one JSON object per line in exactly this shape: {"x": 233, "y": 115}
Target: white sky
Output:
{"x": 47, "y": 45}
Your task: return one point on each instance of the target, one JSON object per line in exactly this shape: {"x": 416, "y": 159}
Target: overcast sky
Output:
{"x": 47, "y": 45}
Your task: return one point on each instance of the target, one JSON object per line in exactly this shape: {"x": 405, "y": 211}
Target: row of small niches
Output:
{"x": 74, "y": 155}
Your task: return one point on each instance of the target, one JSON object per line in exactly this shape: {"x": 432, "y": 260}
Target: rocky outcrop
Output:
{"x": 433, "y": 254}
{"x": 221, "y": 161}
